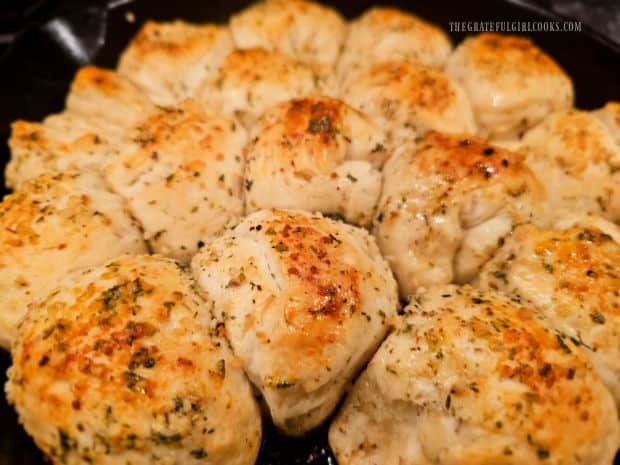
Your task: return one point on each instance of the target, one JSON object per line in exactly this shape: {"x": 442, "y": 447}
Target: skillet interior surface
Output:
{"x": 37, "y": 70}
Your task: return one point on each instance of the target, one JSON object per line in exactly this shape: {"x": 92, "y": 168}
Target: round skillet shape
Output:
{"x": 36, "y": 71}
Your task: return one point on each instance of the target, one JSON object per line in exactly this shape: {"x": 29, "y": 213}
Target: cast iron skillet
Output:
{"x": 36, "y": 72}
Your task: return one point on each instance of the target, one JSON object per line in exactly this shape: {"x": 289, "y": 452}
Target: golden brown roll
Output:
{"x": 446, "y": 202}
{"x": 305, "y": 301}
{"x": 51, "y": 226}
{"x": 512, "y": 84}
{"x": 577, "y": 159}
{"x": 406, "y": 100}
{"x": 315, "y": 154}
{"x": 387, "y": 34}
{"x": 123, "y": 363}
{"x": 181, "y": 172}
{"x": 253, "y": 80}
{"x": 170, "y": 59}
{"x": 572, "y": 274}
{"x": 304, "y": 30}
{"x": 470, "y": 378}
